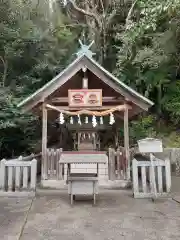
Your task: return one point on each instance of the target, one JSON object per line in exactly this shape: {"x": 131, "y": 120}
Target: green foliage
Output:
{"x": 172, "y": 140}
{"x": 37, "y": 42}
{"x": 148, "y": 58}
{"x": 18, "y": 131}
{"x": 34, "y": 47}
{"x": 172, "y": 101}
{"x": 142, "y": 128}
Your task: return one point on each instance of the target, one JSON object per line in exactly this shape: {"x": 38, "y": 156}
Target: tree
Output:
{"x": 148, "y": 47}
{"x": 99, "y": 18}
{"x": 34, "y": 47}
{"x": 38, "y": 41}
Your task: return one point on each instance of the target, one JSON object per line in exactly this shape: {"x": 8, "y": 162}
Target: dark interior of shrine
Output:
{"x": 85, "y": 136}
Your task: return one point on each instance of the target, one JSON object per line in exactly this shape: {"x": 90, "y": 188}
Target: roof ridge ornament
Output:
{"x": 85, "y": 49}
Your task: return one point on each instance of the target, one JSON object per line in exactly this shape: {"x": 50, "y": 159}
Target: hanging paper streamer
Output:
{"x": 94, "y": 121}
{"x": 84, "y": 136}
{"x": 61, "y": 118}
{"x": 79, "y": 120}
{"x": 71, "y": 120}
{"x": 86, "y": 120}
{"x": 111, "y": 119}
{"x": 101, "y": 120}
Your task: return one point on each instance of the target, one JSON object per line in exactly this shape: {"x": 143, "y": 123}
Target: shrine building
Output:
{"x": 91, "y": 105}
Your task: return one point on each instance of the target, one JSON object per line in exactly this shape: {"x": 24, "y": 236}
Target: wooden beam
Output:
{"x": 126, "y": 142}
{"x": 119, "y": 115}
{"x": 104, "y": 100}
{"x": 44, "y": 143}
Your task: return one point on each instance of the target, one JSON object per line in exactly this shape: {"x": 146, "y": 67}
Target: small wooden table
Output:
{"x": 83, "y": 183}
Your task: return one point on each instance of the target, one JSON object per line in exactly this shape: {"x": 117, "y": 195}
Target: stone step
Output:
{"x": 103, "y": 183}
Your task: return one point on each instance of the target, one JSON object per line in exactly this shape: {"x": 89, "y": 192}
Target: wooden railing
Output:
{"x": 54, "y": 169}
{"x": 117, "y": 164}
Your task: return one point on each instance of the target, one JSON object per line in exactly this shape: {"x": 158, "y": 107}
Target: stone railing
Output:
{"x": 146, "y": 185}
{"x": 171, "y": 153}
{"x": 18, "y": 178}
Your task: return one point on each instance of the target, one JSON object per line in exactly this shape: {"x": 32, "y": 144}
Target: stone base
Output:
{"x": 107, "y": 184}
{"x": 54, "y": 184}
{"x": 116, "y": 184}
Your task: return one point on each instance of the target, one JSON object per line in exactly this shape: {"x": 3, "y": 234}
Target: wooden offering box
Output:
{"x": 83, "y": 183}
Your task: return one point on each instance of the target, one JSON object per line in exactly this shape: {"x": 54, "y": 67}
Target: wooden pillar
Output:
{"x": 126, "y": 142}
{"x": 85, "y": 83}
{"x": 85, "y": 78}
{"x": 44, "y": 143}
{"x": 116, "y": 138}
{"x": 112, "y": 164}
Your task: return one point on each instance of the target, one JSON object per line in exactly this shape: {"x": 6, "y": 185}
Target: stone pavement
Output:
{"x": 13, "y": 212}
{"x": 117, "y": 216}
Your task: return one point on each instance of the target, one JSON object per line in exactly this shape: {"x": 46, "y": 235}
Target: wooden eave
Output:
{"x": 84, "y": 61}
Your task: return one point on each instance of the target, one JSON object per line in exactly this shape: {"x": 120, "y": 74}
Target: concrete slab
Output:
{"x": 117, "y": 216}
{"x": 175, "y": 190}
{"x": 12, "y": 216}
